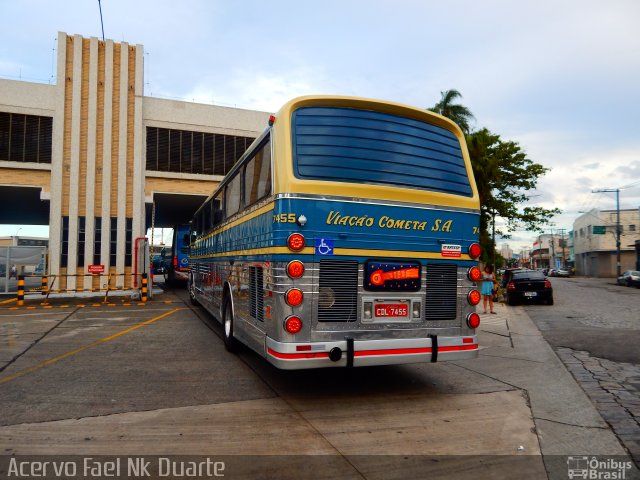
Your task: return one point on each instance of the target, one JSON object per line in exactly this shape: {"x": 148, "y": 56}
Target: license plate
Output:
{"x": 530, "y": 294}
{"x": 391, "y": 310}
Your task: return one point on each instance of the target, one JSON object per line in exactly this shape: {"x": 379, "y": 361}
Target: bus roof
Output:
{"x": 286, "y": 181}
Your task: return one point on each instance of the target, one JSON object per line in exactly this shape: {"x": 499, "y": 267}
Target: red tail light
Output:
{"x": 295, "y": 269}
{"x": 295, "y": 242}
{"x": 175, "y": 261}
{"x": 293, "y": 325}
{"x": 473, "y": 297}
{"x": 474, "y": 250}
{"x": 547, "y": 284}
{"x": 294, "y": 297}
{"x": 474, "y": 274}
{"x": 511, "y": 286}
{"x": 473, "y": 320}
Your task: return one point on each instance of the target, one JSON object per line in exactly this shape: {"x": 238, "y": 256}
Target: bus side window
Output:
{"x": 232, "y": 196}
{"x": 206, "y": 217}
{"x": 216, "y": 212}
{"x": 257, "y": 175}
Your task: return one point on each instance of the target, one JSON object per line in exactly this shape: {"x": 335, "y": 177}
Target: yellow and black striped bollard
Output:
{"x": 143, "y": 288}
{"x": 21, "y": 290}
{"x": 44, "y": 285}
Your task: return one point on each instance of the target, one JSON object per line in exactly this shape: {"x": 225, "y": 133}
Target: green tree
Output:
{"x": 505, "y": 176}
{"x": 453, "y": 111}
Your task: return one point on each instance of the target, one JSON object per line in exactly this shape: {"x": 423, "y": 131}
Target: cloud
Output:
{"x": 256, "y": 90}
{"x": 631, "y": 170}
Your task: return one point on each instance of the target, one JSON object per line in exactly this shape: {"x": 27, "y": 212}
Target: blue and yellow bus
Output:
{"x": 346, "y": 235}
{"x": 175, "y": 260}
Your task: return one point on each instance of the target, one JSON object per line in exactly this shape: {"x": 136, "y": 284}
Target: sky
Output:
{"x": 561, "y": 78}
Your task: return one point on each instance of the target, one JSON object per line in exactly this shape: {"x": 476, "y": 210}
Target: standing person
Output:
{"x": 488, "y": 281}
{"x": 13, "y": 273}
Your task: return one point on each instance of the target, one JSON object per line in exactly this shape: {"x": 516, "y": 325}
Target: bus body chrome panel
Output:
{"x": 293, "y": 356}
{"x": 368, "y": 335}
{"x": 315, "y": 330}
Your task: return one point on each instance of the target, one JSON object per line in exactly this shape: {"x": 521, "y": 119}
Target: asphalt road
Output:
{"x": 593, "y": 315}
{"x": 153, "y": 379}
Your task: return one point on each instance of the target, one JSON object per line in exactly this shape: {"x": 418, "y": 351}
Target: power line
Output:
{"x": 101, "y": 22}
{"x": 630, "y": 185}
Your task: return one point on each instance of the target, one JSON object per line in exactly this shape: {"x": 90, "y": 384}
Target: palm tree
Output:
{"x": 453, "y": 111}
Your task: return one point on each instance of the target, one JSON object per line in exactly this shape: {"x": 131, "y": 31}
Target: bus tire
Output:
{"x": 230, "y": 342}
{"x": 192, "y": 292}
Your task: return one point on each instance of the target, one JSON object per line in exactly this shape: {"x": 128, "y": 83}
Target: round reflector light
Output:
{"x": 474, "y": 297}
{"x": 295, "y": 242}
{"x": 294, "y": 297}
{"x": 475, "y": 250}
{"x": 293, "y": 325}
{"x": 474, "y": 274}
{"x": 473, "y": 320}
{"x": 295, "y": 269}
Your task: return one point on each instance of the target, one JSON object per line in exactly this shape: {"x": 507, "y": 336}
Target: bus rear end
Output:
{"x": 177, "y": 263}
{"x": 377, "y": 211}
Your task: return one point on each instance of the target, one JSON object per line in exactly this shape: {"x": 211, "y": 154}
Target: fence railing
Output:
{"x": 47, "y": 288}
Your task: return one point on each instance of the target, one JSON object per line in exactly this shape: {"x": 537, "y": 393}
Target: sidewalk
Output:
{"x": 567, "y": 423}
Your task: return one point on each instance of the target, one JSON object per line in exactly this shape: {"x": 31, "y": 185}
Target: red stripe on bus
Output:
{"x": 365, "y": 353}
{"x": 392, "y": 351}
{"x": 458, "y": 347}
{"x": 295, "y": 356}
{"x": 413, "y": 351}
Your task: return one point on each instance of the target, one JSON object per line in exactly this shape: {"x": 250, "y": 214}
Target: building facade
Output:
{"x": 99, "y": 162}
{"x": 594, "y": 242}
{"x": 549, "y": 251}
{"x": 506, "y": 252}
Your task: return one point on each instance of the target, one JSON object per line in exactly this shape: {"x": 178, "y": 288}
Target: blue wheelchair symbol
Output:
{"x": 324, "y": 246}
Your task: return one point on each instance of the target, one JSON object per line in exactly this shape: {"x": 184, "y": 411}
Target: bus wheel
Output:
{"x": 230, "y": 343}
{"x": 192, "y": 292}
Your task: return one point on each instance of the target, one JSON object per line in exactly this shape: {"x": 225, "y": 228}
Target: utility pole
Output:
{"x": 562, "y": 247}
{"x": 617, "y": 192}
{"x": 539, "y": 251}
{"x": 552, "y": 261}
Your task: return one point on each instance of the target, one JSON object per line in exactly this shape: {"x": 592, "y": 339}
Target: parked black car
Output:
{"x": 529, "y": 287}
{"x": 508, "y": 273}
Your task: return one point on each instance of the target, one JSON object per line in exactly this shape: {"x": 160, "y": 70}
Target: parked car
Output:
{"x": 529, "y": 286}
{"x": 562, "y": 273}
{"x": 630, "y": 278}
{"x": 506, "y": 276}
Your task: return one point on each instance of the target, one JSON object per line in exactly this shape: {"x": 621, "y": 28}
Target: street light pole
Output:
{"x": 617, "y": 191}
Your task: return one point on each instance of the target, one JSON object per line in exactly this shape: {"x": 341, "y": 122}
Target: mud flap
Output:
{"x": 350, "y": 352}
{"x": 434, "y": 348}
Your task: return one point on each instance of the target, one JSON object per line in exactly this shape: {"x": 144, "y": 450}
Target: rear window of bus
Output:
{"x": 361, "y": 146}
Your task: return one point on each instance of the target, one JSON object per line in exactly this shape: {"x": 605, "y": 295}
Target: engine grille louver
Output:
{"x": 256, "y": 293}
{"x": 442, "y": 292}
{"x": 338, "y": 291}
